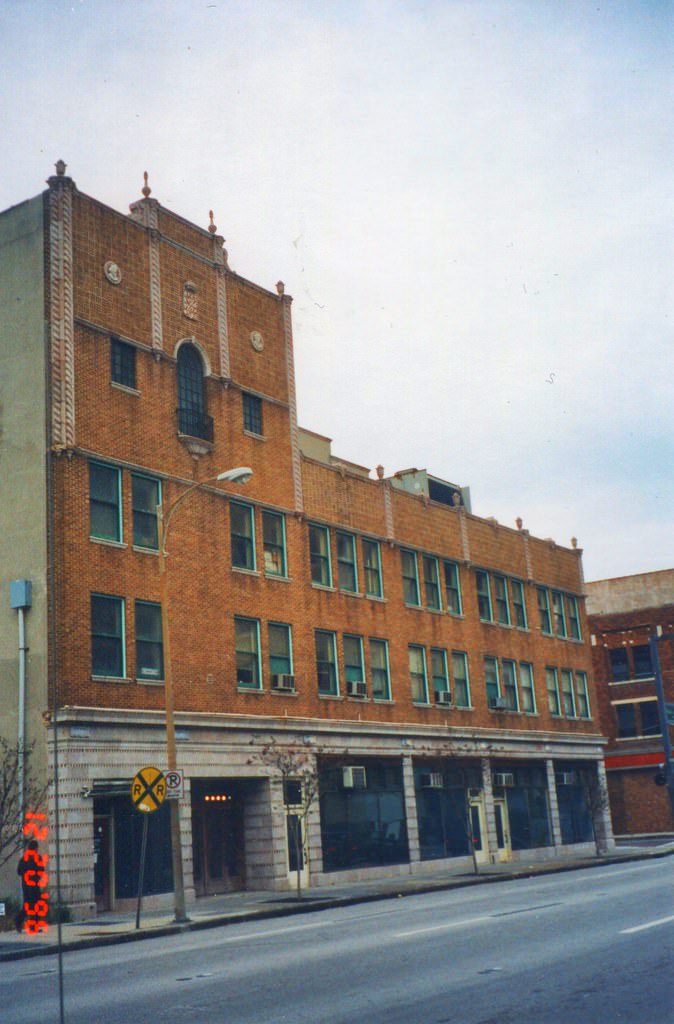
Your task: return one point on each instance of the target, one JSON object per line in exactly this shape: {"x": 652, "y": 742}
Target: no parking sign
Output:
{"x": 174, "y": 784}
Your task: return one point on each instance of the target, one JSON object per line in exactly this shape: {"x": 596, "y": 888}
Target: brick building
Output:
{"x": 432, "y": 665}
{"x": 623, "y": 615}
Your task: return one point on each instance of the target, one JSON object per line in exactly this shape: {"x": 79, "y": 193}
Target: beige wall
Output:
{"x": 630, "y": 593}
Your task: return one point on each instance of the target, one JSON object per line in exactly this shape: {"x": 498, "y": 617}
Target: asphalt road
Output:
{"x": 584, "y": 947}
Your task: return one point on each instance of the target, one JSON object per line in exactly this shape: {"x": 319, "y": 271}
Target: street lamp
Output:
{"x": 240, "y": 475}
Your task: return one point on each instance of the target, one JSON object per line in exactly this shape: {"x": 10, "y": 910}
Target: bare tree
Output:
{"x": 297, "y": 769}
{"x": 11, "y": 814}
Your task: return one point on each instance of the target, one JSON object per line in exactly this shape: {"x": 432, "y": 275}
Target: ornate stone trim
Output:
{"x": 292, "y": 401}
{"x": 61, "y": 308}
{"x": 465, "y": 539}
{"x": 146, "y": 212}
{"x": 388, "y": 513}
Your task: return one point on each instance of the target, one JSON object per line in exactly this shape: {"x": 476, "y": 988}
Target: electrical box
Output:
{"x": 20, "y": 593}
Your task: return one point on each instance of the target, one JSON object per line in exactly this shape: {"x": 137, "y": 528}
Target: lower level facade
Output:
{"x": 390, "y": 801}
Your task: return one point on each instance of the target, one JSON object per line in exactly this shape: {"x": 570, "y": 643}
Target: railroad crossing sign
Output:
{"x": 148, "y": 789}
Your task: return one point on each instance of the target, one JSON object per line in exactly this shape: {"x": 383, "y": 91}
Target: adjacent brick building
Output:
{"x": 432, "y": 666}
{"x": 623, "y": 615}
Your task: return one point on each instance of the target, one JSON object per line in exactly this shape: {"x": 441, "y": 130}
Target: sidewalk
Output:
{"x": 213, "y": 911}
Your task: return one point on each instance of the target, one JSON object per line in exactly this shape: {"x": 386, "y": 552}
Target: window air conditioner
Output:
{"x": 431, "y": 780}
{"x": 566, "y": 778}
{"x": 282, "y": 682}
{"x": 443, "y": 697}
{"x": 353, "y": 777}
{"x": 356, "y": 688}
{"x": 498, "y": 703}
{"x": 503, "y": 779}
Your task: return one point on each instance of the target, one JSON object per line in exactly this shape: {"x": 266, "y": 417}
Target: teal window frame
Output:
{"x": 347, "y": 568}
{"x": 552, "y": 686}
{"x": 509, "y": 684}
{"x": 252, "y": 413}
{"x": 279, "y": 637}
{"x": 149, "y": 642}
{"x": 543, "y": 601}
{"x": 410, "y": 575}
{"x": 573, "y": 617}
{"x": 483, "y": 590}
{"x": 247, "y": 657}
{"x": 371, "y": 551}
{"x": 242, "y": 534}
{"x": 108, "y": 636}
{"x": 527, "y": 689}
{"x": 519, "y": 604}
{"x": 439, "y": 670}
{"x": 558, "y": 614}
{"x": 582, "y": 696}
{"x": 274, "y": 543}
{"x": 418, "y": 673}
{"x": 144, "y": 512}
{"x": 319, "y": 555}
{"x": 452, "y": 588}
{"x": 325, "y": 643}
{"x": 460, "y": 679}
{"x": 500, "y": 599}
{"x": 567, "y": 693}
{"x": 105, "y": 502}
{"x": 354, "y": 662}
{"x": 431, "y": 582}
{"x": 492, "y": 679}
{"x": 380, "y": 673}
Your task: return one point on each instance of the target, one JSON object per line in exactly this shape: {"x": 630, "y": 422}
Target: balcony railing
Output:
{"x": 195, "y": 424}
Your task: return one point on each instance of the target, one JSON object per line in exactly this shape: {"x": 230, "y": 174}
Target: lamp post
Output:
{"x": 241, "y": 475}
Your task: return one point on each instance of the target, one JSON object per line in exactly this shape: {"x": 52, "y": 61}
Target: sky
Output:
{"x": 470, "y": 203}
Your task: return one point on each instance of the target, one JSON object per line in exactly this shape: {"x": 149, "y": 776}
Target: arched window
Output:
{"x": 192, "y": 418}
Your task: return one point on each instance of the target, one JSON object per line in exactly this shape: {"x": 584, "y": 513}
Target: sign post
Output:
{"x": 148, "y": 791}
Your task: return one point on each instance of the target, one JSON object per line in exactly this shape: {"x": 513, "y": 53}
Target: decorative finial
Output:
{"x": 380, "y": 472}
{"x": 146, "y": 190}
{"x": 212, "y": 227}
{"x": 60, "y": 168}
{"x": 574, "y": 542}
{"x": 518, "y": 523}
{"x": 456, "y": 499}
{"x": 280, "y": 287}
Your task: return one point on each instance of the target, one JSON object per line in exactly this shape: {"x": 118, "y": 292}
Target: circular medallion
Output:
{"x": 256, "y": 341}
{"x": 112, "y": 272}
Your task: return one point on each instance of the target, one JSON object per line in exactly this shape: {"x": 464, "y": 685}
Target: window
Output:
{"x": 346, "y": 562}
{"x": 527, "y": 688}
{"x": 381, "y": 685}
{"x": 372, "y": 568}
{"x": 510, "y": 685}
{"x": 417, "y": 663}
{"x": 252, "y": 413}
{"x": 460, "y": 678}
{"x": 439, "y": 670}
{"x": 627, "y": 720}
{"x": 431, "y": 583}
{"x": 354, "y": 672}
{"x": 410, "y": 577}
{"x": 274, "y": 542}
{"x": 573, "y": 617}
{"x": 326, "y": 663}
{"x": 620, "y": 670}
{"x": 558, "y": 614}
{"x": 107, "y": 636}
{"x": 483, "y": 595}
{"x": 242, "y": 529}
{"x": 519, "y": 605}
{"x": 280, "y": 649}
{"x": 501, "y": 600}
{"x": 247, "y": 646}
{"x": 122, "y": 363}
{"x": 641, "y": 657}
{"x": 192, "y": 418}
{"x": 567, "y": 693}
{"x": 105, "y": 502}
{"x": 149, "y": 642}
{"x": 582, "y": 699}
{"x": 452, "y": 588}
{"x": 145, "y": 496}
{"x": 544, "y": 610}
{"x": 491, "y": 679}
{"x": 650, "y": 719}
{"x": 319, "y": 554}
{"x": 553, "y": 690}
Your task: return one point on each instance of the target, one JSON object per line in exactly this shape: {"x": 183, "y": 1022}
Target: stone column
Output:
{"x": 552, "y": 803}
{"x": 410, "y": 798}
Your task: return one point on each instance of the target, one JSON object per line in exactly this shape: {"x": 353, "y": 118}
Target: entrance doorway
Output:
{"x": 103, "y": 883}
{"x": 217, "y": 836}
{"x": 478, "y": 824}
{"x": 502, "y": 822}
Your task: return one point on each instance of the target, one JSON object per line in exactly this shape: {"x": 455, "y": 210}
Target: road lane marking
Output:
{"x": 649, "y": 924}
{"x": 443, "y": 927}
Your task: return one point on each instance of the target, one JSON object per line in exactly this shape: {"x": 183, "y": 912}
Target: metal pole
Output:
{"x": 141, "y": 869}
{"x": 662, "y": 712}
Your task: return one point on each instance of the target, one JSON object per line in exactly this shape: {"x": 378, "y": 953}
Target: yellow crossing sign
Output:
{"x": 148, "y": 789}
